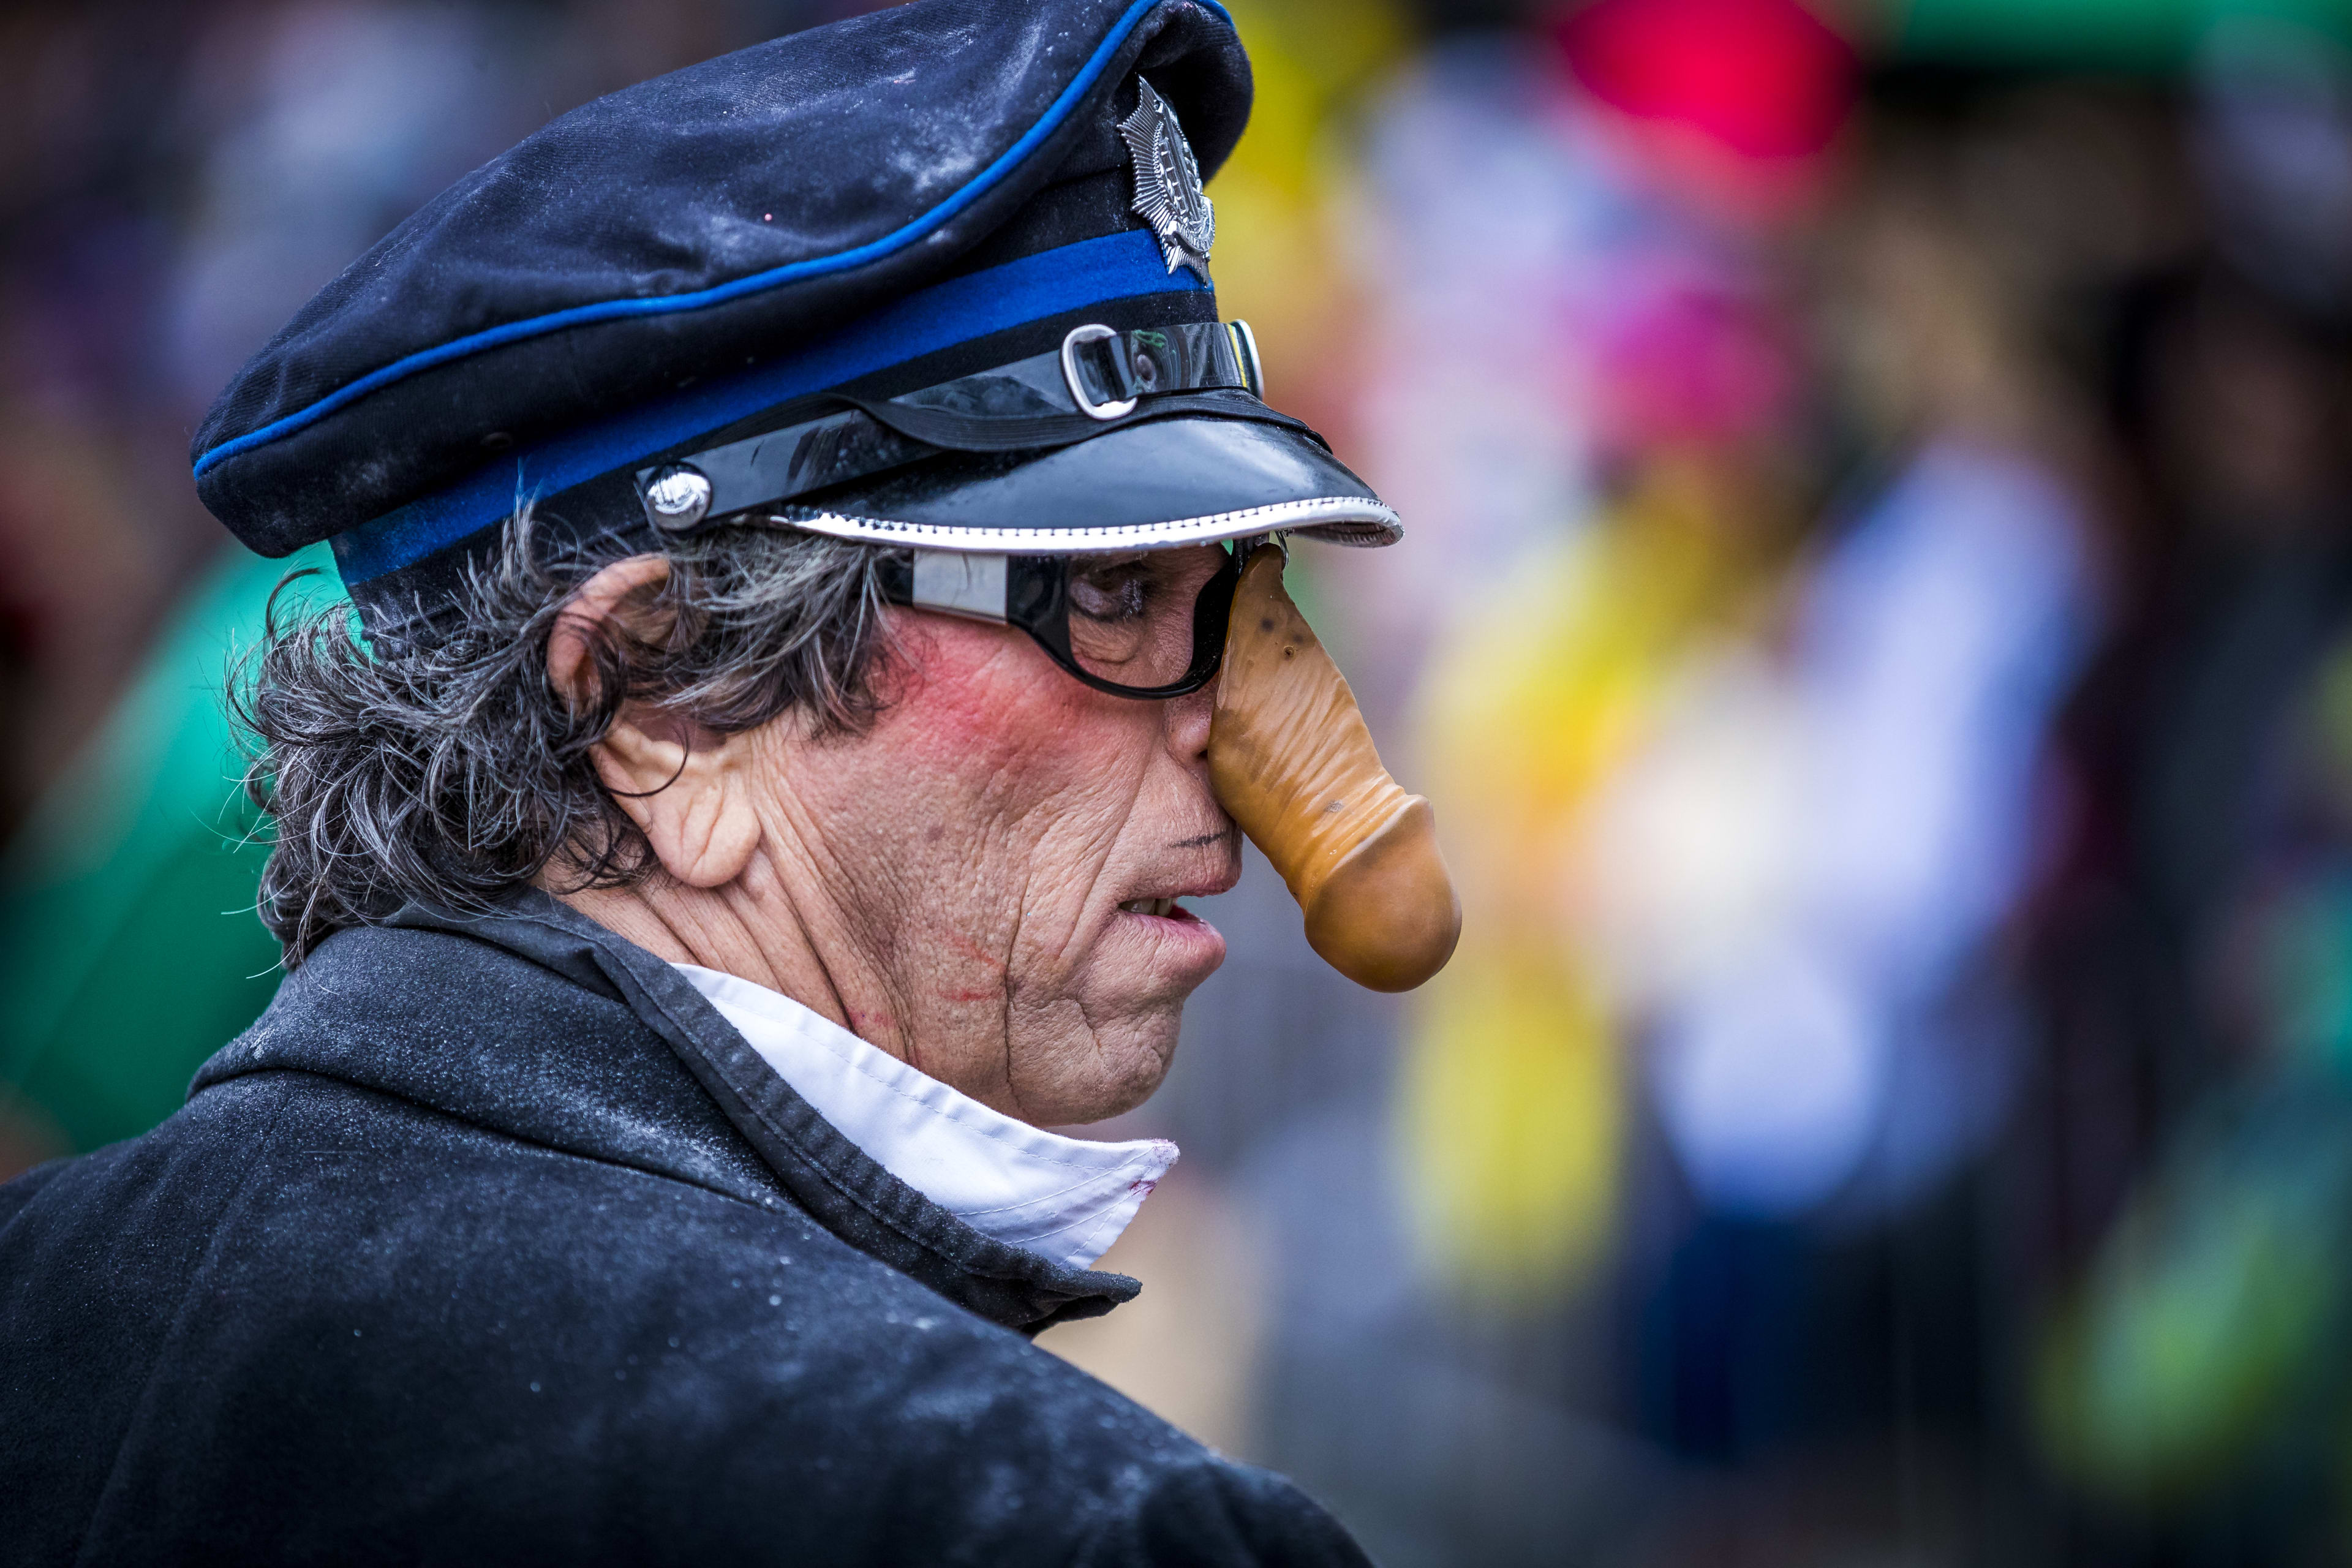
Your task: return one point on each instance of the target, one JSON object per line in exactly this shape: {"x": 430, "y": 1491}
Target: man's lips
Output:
{"x": 1193, "y": 881}
{"x": 1184, "y": 945}
{"x": 1163, "y": 906}
{"x": 1159, "y": 909}
{"x": 1165, "y": 909}
{"x": 1169, "y": 923}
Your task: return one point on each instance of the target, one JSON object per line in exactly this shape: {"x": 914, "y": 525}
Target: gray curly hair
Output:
{"x": 457, "y": 774}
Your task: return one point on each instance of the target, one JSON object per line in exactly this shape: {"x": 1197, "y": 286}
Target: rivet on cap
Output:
{"x": 678, "y": 497}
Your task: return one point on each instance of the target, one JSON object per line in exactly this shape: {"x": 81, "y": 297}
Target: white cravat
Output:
{"x": 1063, "y": 1198}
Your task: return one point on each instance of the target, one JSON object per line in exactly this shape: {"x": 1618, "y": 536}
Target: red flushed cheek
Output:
{"x": 978, "y": 700}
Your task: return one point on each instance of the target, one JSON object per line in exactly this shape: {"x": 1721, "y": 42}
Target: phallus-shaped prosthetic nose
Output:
{"x": 1291, "y": 758}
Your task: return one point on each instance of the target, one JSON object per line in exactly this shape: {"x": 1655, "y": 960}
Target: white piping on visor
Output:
{"x": 1340, "y": 519}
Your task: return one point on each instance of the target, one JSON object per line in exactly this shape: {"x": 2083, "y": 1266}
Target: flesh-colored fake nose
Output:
{"x": 1290, "y": 757}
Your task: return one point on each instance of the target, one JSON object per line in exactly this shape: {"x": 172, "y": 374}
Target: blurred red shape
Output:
{"x": 1764, "y": 78}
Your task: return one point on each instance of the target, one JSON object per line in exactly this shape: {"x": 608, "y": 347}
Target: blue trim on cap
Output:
{"x": 1070, "y": 278}
{"x": 719, "y": 294}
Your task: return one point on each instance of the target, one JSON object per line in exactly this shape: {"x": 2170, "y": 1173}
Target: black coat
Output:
{"x": 492, "y": 1242}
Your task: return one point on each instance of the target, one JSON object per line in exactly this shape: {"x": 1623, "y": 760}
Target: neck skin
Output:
{"x": 774, "y": 925}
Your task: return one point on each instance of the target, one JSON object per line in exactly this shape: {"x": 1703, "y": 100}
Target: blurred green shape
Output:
{"x": 2127, "y": 35}
{"x": 2214, "y": 1315}
{"x": 129, "y": 948}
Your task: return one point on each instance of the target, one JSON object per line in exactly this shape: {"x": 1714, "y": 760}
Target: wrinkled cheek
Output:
{"x": 1063, "y": 863}
{"x": 1028, "y": 780}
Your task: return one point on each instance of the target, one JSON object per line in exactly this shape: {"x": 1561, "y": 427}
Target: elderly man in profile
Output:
{"x": 810, "y": 535}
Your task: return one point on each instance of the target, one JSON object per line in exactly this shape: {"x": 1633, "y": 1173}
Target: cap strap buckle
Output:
{"x": 1092, "y": 407}
{"x": 1108, "y": 373}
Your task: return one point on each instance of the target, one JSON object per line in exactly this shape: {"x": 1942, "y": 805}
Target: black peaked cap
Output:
{"x": 693, "y": 225}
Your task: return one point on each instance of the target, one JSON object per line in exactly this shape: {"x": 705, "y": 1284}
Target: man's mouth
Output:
{"x": 1165, "y": 909}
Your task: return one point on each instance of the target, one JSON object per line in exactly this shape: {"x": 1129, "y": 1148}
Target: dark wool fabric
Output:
{"x": 492, "y": 1242}
{"x": 871, "y": 142}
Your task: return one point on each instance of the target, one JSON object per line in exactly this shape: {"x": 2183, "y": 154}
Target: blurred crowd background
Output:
{"x": 1876, "y": 623}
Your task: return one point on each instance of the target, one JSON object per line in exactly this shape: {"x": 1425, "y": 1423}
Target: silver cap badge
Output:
{"x": 1167, "y": 194}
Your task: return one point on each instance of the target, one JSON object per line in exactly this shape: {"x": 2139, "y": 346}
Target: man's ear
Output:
{"x": 688, "y": 789}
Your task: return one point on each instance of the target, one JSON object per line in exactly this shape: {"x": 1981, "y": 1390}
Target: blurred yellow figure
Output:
{"x": 1313, "y": 61}
{"x": 1512, "y": 1107}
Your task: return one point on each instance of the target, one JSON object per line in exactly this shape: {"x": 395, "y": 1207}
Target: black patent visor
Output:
{"x": 1149, "y": 625}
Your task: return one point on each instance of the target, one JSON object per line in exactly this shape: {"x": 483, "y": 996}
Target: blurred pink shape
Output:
{"x": 1690, "y": 361}
{"x": 1763, "y": 78}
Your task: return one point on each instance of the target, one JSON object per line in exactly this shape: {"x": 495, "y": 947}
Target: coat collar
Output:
{"x": 543, "y": 1035}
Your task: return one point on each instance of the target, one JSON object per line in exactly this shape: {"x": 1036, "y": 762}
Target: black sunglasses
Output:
{"x": 1148, "y": 624}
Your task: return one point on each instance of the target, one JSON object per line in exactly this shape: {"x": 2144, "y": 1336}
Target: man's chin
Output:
{"x": 1122, "y": 1064}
